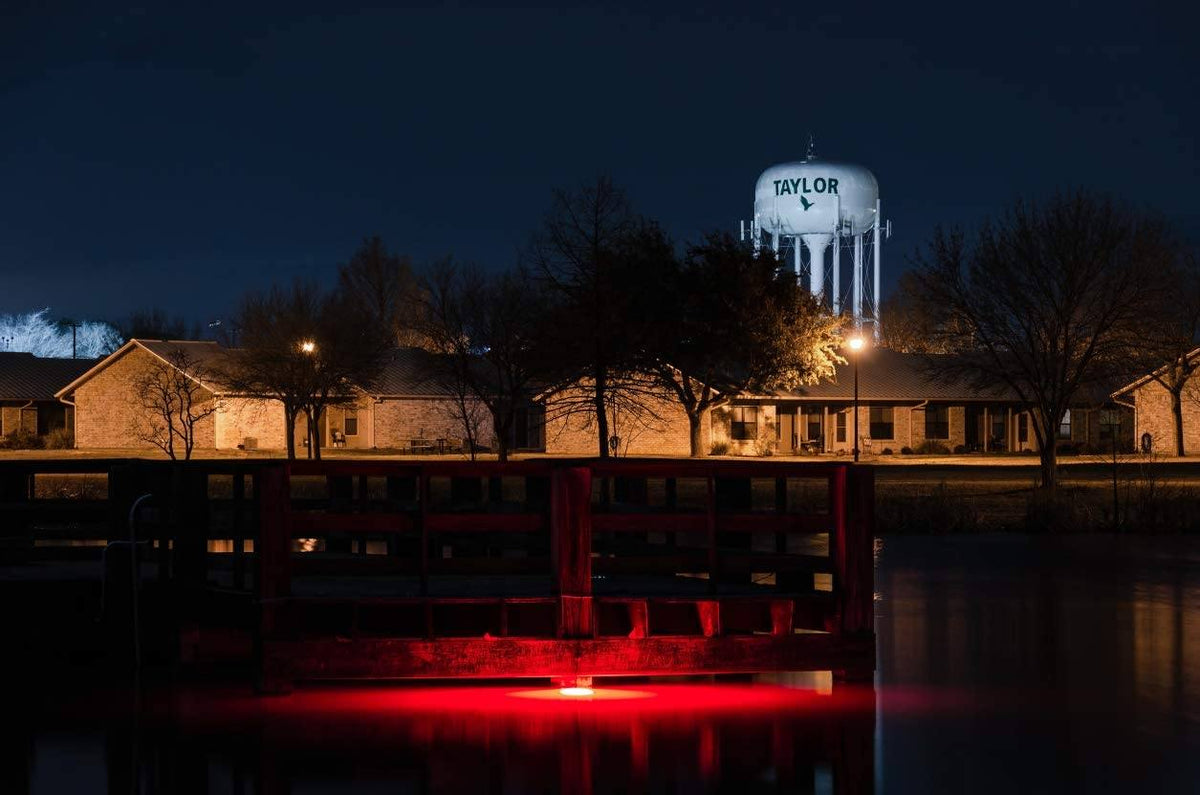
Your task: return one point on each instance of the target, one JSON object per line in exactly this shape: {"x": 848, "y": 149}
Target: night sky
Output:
{"x": 174, "y": 156}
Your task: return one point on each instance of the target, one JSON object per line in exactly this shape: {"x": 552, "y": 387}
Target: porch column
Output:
{"x": 1009, "y": 431}
{"x": 987, "y": 430}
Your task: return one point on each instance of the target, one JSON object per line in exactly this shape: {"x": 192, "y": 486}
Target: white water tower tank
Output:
{"x": 808, "y": 197}
{"x": 821, "y": 203}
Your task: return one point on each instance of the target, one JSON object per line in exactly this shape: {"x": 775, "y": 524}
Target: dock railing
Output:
{"x": 447, "y": 568}
{"x": 624, "y": 567}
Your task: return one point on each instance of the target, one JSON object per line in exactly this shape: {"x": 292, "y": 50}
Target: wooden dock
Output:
{"x": 566, "y": 569}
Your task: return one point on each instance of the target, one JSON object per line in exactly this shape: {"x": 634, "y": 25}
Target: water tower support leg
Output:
{"x": 858, "y": 279}
{"x": 875, "y": 292}
{"x": 837, "y": 274}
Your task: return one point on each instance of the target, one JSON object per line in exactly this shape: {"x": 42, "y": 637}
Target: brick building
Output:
{"x": 1153, "y": 418}
{"x": 904, "y": 403}
{"x": 27, "y": 387}
{"x": 407, "y": 408}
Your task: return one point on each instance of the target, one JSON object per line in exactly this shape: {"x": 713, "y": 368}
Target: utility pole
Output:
{"x": 74, "y": 324}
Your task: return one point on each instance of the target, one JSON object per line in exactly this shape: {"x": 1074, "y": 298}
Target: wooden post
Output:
{"x": 571, "y": 549}
{"x": 853, "y": 562}
{"x": 189, "y": 519}
{"x": 239, "y": 530}
{"x": 708, "y": 611}
{"x": 713, "y": 571}
{"x": 274, "y": 582}
{"x": 423, "y": 505}
{"x": 16, "y": 486}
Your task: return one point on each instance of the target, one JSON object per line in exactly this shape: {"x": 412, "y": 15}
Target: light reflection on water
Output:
{"x": 1005, "y": 665}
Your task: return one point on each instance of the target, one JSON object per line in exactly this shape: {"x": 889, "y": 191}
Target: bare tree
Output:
{"x": 384, "y": 286}
{"x": 578, "y": 256}
{"x": 910, "y": 326}
{"x": 1045, "y": 296}
{"x": 486, "y": 331}
{"x": 1164, "y": 345}
{"x": 309, "y": 350}
{"x": 172, "y": 398}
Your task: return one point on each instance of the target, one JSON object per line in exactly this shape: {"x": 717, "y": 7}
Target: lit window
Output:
{"x": 1064, "y": 425}
{"x": 351, "y": 422}
{"x": 743, "y": 423}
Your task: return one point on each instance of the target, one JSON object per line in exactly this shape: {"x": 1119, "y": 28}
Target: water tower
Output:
{"x": 824, "y": 205}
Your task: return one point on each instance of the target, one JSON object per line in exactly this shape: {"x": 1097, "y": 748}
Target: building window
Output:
{"x": 999, "y": 428}
{"x": 882, "y": 424}
{"x": 743, "y": 423}
{"x": 1022, "y": 428}
{"x": 351, "y": 422}
{"x": 1064, "y": 425}
{"x": 937, "y": 422}
{"x": 1110, "y": 423}
{"x": 841, "y": 427}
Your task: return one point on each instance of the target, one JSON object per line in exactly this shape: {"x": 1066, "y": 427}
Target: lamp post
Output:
{"x": 856, "y": 345}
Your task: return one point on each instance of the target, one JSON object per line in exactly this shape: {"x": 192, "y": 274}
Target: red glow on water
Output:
{"x": 669, "y": 702}
{"x": 581, "y": 694}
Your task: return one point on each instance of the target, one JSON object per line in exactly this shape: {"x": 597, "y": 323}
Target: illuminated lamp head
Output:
{"x": 856, "y": 343}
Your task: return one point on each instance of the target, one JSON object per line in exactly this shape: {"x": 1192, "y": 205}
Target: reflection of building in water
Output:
{"x": 1165, "y": 640}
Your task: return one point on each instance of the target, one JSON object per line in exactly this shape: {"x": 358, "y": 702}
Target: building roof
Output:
{"x": 24, "y": 376}
{"x": 411, "y": 372}
{"x": 884, "y": 374}
{"x": 1148, "y": 377}
{"x": 206, "y": 354}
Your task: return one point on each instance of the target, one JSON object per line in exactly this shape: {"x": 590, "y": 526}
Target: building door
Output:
{"x": 973, "y": 430}
{"x": 812, "y": 433}
{"x": 785, "y": 429}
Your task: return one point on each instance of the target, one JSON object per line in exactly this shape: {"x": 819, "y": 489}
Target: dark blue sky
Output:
{"x": 170, "y": 156}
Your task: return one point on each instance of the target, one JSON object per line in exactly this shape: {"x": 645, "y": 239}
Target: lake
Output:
{"x": 1005, "y": 664}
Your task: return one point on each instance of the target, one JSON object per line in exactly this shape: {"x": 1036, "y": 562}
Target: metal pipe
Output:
{"x": 875, "y": 294}
{"x": 837, "y": 266}
{"x": 858, "y": 275}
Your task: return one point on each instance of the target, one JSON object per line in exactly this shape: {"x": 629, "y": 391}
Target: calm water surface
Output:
{"x": 1006, "y": 664}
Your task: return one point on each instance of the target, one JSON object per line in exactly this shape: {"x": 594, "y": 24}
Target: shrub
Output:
{"x": 719, "y": 448}
{"x": 906, "y": 451}
{"x": 886, "y": 451}
{"x": 764, "y": 447}
{"x": 938, "y": 511}
{"x": 960, "y": 449}
{"x": 1065, "y": 511}
{"x": 21, "y": 439}
{"x": 933, "y": 447}
{"x": 60, "y": 439}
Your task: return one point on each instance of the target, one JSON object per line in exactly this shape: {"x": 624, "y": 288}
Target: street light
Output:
{"x": 308, "y": 346}
{"x": 856, "y": 345}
